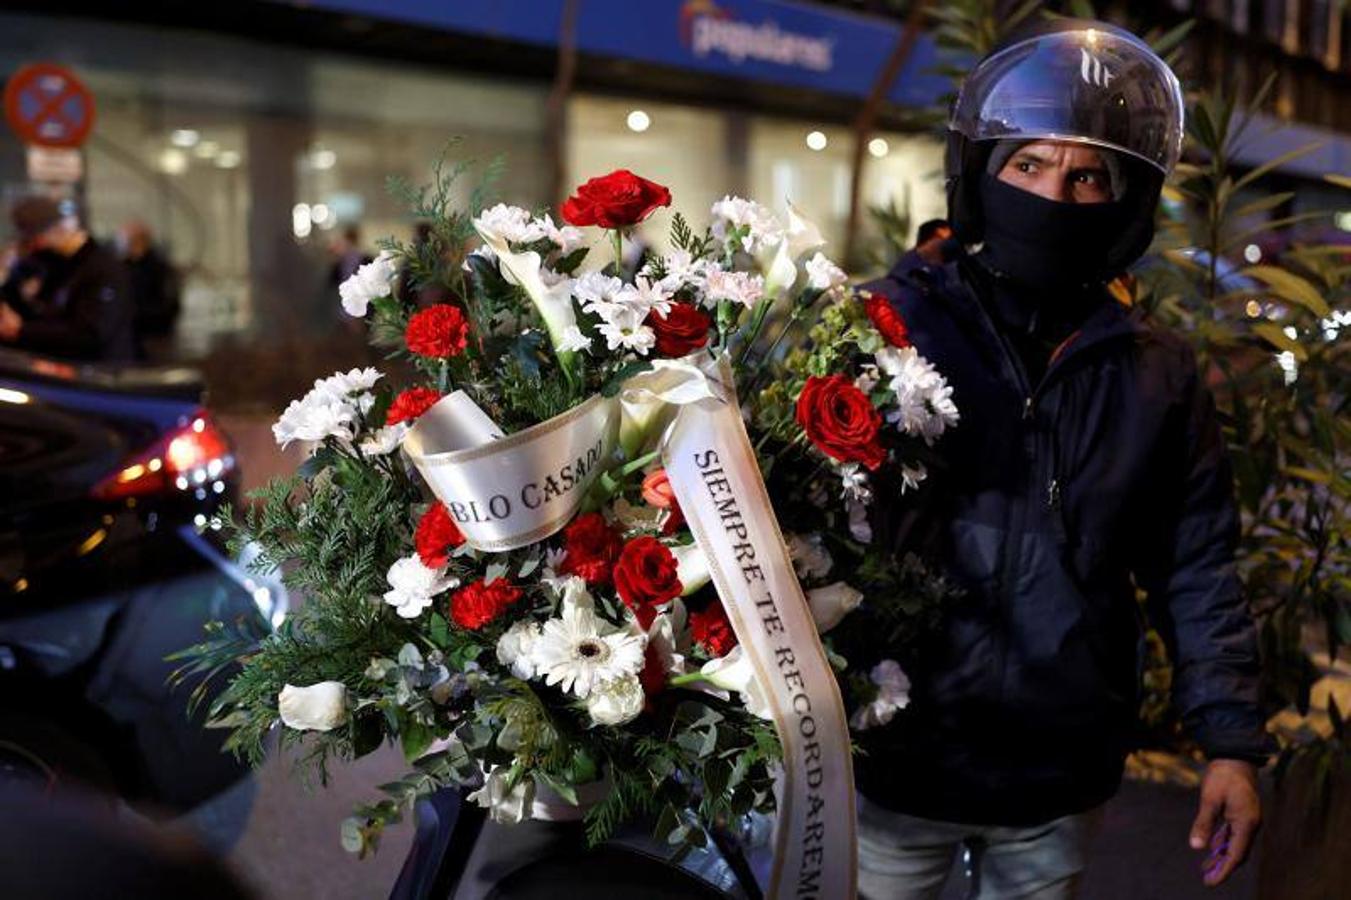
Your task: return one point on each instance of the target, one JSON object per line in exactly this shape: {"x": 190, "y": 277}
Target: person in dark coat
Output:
{"x": 154, "y": 286}
{"x": 75, "y": 304}
{"x": 934, "y": 245}
{"x": 1088, "y": 462}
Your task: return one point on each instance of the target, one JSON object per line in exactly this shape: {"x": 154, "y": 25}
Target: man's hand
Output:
{"x": 11, "y": 323}
{"x": 1228, "y": 818}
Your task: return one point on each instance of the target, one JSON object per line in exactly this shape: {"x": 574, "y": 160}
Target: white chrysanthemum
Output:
{"x": 893, "y": 693}
{"x": 810, "y": 557}
{"x": 578, "y": 652}
{"x": 924, "y": 404}
{"x": 413, "y": 586}
{"x": 573, "y": 340}
{"x": 314, "y": 420}
{"x": 823, "y": 274}
{"x": 625, "y": 329}
{"x": 682, "y": 269}
{"x": 510, "y": 223}
{"x": 616, "y": 702}
{"x": 513, "y": 648}
{"x": 384, "y": 441}
{"x": 646, "y": 295}
{"x": 369, "y": 282}
{"x": 330, "y": 409}
{"x": 763, "y": 229}
{"x": 738, "y": 287}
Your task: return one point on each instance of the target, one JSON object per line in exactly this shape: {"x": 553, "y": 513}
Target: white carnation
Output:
{"x": 512, "y": 223}
{"x": 822, "y": 274}
{"x": 413, "y": 586}
{"x": 384, "y": 441}
{"x": 737, "y": 287}
{"x": 893, "y": 694}
{"x": 616, "y": 702}
{"x": 513, "y": 648}
{"x": 763, "y": 229}
{"x": 369, "y": 282}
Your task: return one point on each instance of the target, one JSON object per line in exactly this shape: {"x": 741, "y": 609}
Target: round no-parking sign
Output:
{"x": 46, "y": 105}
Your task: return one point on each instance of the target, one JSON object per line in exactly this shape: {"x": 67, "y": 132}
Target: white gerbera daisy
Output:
{"x": 578, "y": 652}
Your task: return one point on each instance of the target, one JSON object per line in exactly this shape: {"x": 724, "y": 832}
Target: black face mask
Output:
{"x": 1044, "y": 244}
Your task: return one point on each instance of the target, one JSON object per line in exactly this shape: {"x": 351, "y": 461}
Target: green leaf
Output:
{"x": 439, "y": 630}
{"x": 1289, "y": 286}
{"x": 1308, "y": 474}
{"x": 1171, "y": 38}
{"x": 1262, "y": 205}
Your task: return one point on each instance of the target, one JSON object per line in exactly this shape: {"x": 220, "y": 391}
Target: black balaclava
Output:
{"x": 1046, "y": 245}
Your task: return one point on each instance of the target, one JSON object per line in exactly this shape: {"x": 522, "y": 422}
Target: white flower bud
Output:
{"x": 319, "y": 707}
{"x": 832, "y": 603}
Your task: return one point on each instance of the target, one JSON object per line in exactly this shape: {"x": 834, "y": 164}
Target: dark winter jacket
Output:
{"x": 1055, "y": 499}
{"x": 84, "y": 310}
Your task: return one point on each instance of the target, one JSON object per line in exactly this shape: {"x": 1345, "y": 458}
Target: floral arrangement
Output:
{"x": 601, "y": 654}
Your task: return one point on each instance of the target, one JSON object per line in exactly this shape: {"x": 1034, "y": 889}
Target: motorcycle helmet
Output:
{"x": 1069, "y": 80}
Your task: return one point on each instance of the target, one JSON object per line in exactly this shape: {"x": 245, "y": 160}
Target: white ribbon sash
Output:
{"x": 509, "y": 492}
{"x": 713, "y": 471}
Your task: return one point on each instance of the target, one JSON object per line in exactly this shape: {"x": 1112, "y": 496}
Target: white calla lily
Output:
{"x": 554, "y": 301}
{"x": 691, "y": 568}
{"x": 734, "y": 672}
{"x": 803, "y": 235}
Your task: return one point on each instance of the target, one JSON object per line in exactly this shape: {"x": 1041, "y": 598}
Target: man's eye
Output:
{"x": 1094, "y": 178}
{"x": 1025, "y": 167}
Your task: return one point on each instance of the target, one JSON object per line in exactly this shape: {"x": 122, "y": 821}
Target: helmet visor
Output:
{"x": 1090, "y": 85}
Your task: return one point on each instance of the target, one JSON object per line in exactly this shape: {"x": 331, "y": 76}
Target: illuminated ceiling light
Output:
{"x": 1343, "y": 220}
{"x": 319, "y": 214}
{"x": 228, "y": 159}
{"x": 878, "y": 147}
{"x": 206, "y": 150}
{"x": 639, "y": 121}
{"x": 173, "y": 162}
{"x": 1252, "y": 253}
{"x": 1253, "y": 309}
{"x": 816, "y": 140}
{"x": 184, "y": 137}
{"x": 324, "y": 159}
{"x": 301, "y": 224}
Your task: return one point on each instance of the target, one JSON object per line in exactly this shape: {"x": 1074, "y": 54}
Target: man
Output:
{"x": 933, "y": 247}
{"x": 76, "y": 304}
{"x": 1088, "y": 461}
{"x": 153, "y": 283}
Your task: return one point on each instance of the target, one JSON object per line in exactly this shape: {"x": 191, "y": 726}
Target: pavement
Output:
{"x": 290, "y": 848}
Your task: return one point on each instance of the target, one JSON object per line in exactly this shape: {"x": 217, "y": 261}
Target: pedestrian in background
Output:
{"x": 155, "y": 289}
{"x": 934, "y": 246}
{"x": 69, "y": 297}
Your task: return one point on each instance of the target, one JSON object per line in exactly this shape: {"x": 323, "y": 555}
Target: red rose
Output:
{"x": 680, "y": 332}
{"x": 619, "y": 199}
{"x": 711, "y": 630}
{"x": 410, "y": 404}
{"x": 840, "y": 420}
{"x": 645, "y": 577}
{"x": 438, "y": 331}
{"x": 477, "y": 604}
{"x": 653, "y": 674}
{"x": 887, "y": 320}
{"x": 592, "y": 547}
{"x": 436, "y": 535}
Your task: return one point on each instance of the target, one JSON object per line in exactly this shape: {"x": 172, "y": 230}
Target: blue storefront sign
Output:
{"x": 768, "y": 41}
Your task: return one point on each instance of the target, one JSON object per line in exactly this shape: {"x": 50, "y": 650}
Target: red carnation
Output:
{"x": 712, "y": 630}
{"x": 886, "y": 320}
{"x": 591, "y": 547}
{"x": 615, "y": 201}
{"x": 681, "y": 331}
{"x": 410, "y": 404}
{"x": 438, "y": 331}
{"x": 436, "y": 535}
{"x": 477, "y": 604}
{"x": 840, "y": 420}
{"x": 645, "y": 577}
